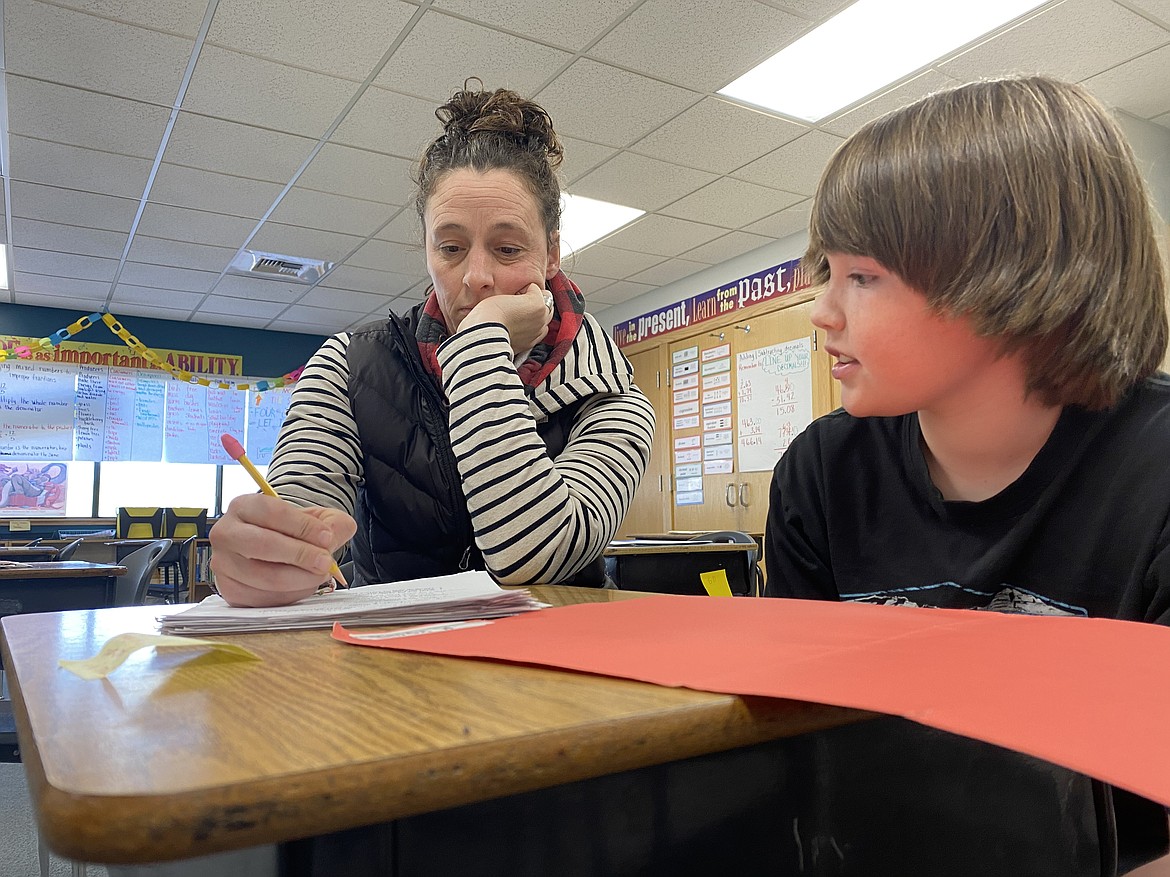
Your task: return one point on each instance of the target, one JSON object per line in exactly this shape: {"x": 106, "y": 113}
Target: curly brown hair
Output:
{"x": 495, "y": 130}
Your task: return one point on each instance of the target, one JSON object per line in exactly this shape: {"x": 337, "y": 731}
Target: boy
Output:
{"x": 995, "y": 303}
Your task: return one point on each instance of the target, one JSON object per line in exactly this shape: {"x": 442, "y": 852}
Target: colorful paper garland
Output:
{"x": 115, "y": 326}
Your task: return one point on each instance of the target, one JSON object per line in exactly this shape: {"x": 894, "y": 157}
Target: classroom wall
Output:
{"x": 266, "y": 354}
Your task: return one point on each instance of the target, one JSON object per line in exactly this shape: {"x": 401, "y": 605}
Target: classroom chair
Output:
{"x": 139, "y": 523}
{"x": 755, "y": 578}
{"x": 184, "y": 524}
{"x": 140, "y": 566}
{"x": 69, "y": 550}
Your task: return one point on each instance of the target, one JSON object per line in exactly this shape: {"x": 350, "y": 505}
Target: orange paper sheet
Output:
{"x": 1088, "y": 694}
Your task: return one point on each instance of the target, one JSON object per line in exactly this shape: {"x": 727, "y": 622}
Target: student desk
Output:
{"x": 182, "y": 754}
{"x": 673, "y": 566}
{"x": 57, "y": 586}
{"x": 28, "y": 552}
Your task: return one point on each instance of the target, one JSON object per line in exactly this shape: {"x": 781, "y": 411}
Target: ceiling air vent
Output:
{"x": 274, "y": 266}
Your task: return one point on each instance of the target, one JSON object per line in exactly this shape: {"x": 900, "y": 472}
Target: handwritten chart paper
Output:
{"x": 775, "y": 388}
{"x": 1066, "y": 690}
{"x": 196, "y": 417}
{"x": 134, "y": 415}
{"x": 36, "y": 410}
{"x": 266, "y": 412}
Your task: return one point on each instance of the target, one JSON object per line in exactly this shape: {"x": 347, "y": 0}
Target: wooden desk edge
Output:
{"x": 121, "y": 830}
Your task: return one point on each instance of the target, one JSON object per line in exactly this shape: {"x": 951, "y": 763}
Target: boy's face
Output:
{"x": 893, "y": 353}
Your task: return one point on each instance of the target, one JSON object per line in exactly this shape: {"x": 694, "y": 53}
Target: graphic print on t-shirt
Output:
{"x": 951, "y": 595}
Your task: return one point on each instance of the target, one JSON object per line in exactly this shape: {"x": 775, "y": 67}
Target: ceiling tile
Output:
{"x": 580, "y": 157}
{"x": 730, "y": 203}
{"x": 281, "y": 325}
{"x": 404, "y": 229}
{"x": 366, "y": 280}
{"x": 572, "y": 25}
{"x": 345, "y": 300}
{"x": 433, "y": 59}
{"x": 812, "y": 9}
{"x": 154, "y": 312}
{"x": 603, "y": 104}
{"x": 196, "y": 226}
{"x": 668, "y": 272}
{"x": 1163, "y": 120}
{"x": 182, "y": 186}
{"x": 637, "y": 181}
{"x": 126, "y": 293}
{"x": 240, "y": 307}
{"x": 622, "y": 291}
{"x": 310, "y": 209}
{"x": 67, "y": 238}
{"x": 794, "y": 167}
{"x": 307, "y": 243}
{"x": 384, "y": 121}
{"x": 603, "y": 261}
{"x": 245, "y": 321}
{"x": 91, "y": 292}
{"x": 62, "y": 264}
{"x": 84, "y": 118}
{"x": 253, "y": 91}
{"x": 161, "y": 277}
{"x": 339, "y": 39}
{"x": 1072, "y": 40}
{"x": 238, "y": 150}
{"x": 589, "y": 284}
{"x": 849, "y": 121}
{"x": 687, "y": 139}
{"x": 691, "y": 44}
{"x": 784, "y": 222}
{"x": 328, "y": 320}
{"x": 1159, "y": 9}
{"x": 51, "y": 300}
{"x": 729, "y": 246}
{"x": 386, "y": 256}
{"x": 663, "y": 235}
{"x": 72, "y": 48}
{"x": 183, "y": 17}
{"x": 69, "y": 207}
{"x": 54, "y": 164}
{"x": 1140, "y": 86}
{"x": 259, "y": 288}
{"x": 343, "y": 170}
{"x": 180, "y": 254}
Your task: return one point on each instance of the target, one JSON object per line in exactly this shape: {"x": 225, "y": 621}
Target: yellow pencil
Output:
{"x": 236, "y": 452}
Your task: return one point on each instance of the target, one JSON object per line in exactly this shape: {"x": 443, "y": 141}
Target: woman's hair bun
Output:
{"x": 471, "y": 113}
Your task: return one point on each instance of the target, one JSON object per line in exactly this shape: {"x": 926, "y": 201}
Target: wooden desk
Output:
{"x": 674, "y": 567}
{"x": 57, "y": 586}
{"x": 179, "y": 755}
{"x": 28, "y": 553}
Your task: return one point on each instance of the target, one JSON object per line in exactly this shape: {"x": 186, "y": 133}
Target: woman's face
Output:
{"x": 484, "y": 237}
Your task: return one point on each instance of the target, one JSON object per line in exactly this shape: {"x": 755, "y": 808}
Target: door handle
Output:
{"x": 729, "y": 495}
{"x": 745, "y": 494}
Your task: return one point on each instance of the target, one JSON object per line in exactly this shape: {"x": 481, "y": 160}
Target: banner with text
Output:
{"x": 86, "y": 353}
{"x": 754, "y": 289}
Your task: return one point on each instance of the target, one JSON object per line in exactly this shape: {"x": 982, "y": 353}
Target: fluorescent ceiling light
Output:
{"x": 864, "y": 47}
{"x": 3, "y": 266}
{"x": 585, "y": 220}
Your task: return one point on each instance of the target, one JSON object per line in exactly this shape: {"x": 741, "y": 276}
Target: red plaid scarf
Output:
{"x": 568, "y": 314}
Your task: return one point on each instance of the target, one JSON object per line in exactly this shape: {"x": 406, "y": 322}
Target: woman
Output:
{"x": 495, "y": 426}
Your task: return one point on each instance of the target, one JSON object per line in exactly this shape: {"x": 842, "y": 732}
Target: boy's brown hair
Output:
{"x": 1016, "y": 202}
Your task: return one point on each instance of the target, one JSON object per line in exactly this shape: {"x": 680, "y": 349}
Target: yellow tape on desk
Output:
{"x": 117, "y": 649}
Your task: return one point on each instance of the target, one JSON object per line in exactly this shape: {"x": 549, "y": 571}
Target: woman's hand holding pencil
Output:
{"x": 268, "y": 552}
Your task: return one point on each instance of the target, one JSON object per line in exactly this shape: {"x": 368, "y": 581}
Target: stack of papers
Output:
{"x": 457, "y": 597}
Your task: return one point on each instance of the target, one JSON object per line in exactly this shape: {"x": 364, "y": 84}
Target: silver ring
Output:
{"x": 548, "y": 299}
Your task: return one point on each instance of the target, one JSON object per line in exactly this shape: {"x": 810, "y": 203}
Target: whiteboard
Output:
{"x": 774, "y": 390}
{"x": 37, "y": 401}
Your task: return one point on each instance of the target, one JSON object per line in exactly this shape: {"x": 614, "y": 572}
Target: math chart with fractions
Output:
{"x": 774, "y": 396}
{"x": 36, "y": 410}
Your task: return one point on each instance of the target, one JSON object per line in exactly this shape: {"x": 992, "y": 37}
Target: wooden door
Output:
{"x": 650, "y": 510}
{"x": 783, "y": 381}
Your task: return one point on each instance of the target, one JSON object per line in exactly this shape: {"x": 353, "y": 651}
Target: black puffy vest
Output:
{"x": 411, "y": 514}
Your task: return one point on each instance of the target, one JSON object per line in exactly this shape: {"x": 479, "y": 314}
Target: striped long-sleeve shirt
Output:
{"x": 534, "y": 519}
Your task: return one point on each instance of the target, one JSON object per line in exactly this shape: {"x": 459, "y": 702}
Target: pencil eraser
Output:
{"x": 232, "y": 446}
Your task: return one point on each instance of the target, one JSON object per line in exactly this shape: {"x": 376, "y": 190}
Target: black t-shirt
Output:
{"x": 1085, "y": 531}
